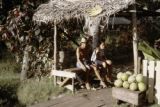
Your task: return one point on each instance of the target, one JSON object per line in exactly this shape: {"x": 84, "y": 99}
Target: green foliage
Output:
{"x": 9, "y": 82}
{"x": 148, "y": 51}
{"x": 33, "y": 91}
{"x": 14, "y": 93}
{"x": 20, "y": 31}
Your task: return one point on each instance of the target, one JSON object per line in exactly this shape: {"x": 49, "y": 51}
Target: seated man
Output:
{"x": 99, "y": 60}
{"x": 82, "y": 60}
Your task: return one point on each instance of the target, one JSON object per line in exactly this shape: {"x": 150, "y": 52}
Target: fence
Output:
{"x": 151, "y": 72}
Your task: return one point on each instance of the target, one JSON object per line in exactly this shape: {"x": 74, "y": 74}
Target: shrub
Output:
{"x": 34, "y": 91}
{"x": 9, "y": 82}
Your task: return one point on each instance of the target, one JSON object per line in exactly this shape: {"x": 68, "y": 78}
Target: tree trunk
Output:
{"x": 25, "y": 64}
{"x": 55, "y": 46}
{"x": 135, "y": 49}
{"x": 92, "y": 26}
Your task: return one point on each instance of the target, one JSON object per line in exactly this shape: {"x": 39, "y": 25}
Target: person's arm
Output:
{"x": 97, "y": 50}
{"x": 78, "y": 59}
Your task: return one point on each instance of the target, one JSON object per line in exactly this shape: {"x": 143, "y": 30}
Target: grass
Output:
{"x": 9, "y": 82}
{"x": 35, "y": 91}
{"x": 14, "y": 93}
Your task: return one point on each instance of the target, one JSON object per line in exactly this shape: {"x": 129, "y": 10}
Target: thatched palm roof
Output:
{"x": 65, "y": 9}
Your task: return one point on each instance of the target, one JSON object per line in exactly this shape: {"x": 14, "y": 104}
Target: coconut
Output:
{"x": 141, "y": 86}
{"x": 133, "y": 86}
{"x": 139, "y": 78}
{"x": 124, "y": 77}
{"x": 118, "y": 83}
{"x": 131, "y": 79}
{"x": 119, "y": 75}
{"x": 126, "y": 84}
{"x": 129, "y": 73}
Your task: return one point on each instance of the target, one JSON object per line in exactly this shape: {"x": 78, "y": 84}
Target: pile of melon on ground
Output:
{"x": 134, "y": 82}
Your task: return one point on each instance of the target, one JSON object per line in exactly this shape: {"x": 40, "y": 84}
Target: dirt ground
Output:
{"x": 99, "y": 98}
{"x": 84, "y": 98}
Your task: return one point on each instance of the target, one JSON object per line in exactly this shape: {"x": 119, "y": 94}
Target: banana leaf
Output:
{"x": 149, "y": 52}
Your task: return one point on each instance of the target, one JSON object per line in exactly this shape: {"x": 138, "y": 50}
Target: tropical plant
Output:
{"x": 30, "y": 43}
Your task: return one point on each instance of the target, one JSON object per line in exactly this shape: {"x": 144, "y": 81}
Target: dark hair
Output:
{"x": 100, "y": 42}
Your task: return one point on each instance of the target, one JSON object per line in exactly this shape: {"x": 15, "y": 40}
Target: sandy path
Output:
{"x": 99, "y": 98}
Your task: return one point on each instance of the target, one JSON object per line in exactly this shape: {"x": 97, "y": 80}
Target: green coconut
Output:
{"x": 139, "y": 78}
{"x": 142, "y": 87}
{"x": 131, "y": 79}
{"x": 126, "y": 84}
{"x": 133, "y": 86}
{"x": 124, "y": 77}
{"x": 118, "y": 83}
{"x": 119, "y": 75}
{"x": 129, "y": 73}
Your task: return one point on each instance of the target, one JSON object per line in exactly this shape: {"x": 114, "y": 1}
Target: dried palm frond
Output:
{"x": 65, "y": 9}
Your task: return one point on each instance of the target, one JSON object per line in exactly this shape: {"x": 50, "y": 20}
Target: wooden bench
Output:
{"x": 67, "y": 74}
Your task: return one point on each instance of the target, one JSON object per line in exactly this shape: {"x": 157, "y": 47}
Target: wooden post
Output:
{"x": 157, "y": 88}
{"x": 151, "y": 81}
{"x": 73, "y": 86}
{"x": 55, "y": 51}
{"x": 25, "y": 64}
{"x": 135, "y": 49}
{"x": 55, "y": 46}
{"x": 1, "y": 5}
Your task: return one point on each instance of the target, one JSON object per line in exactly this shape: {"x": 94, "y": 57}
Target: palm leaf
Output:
{"x": 148, "y": 51}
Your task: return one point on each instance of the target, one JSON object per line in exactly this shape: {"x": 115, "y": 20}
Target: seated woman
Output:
{"x": 82, "y": 60}
{"x": 99, "y": 59}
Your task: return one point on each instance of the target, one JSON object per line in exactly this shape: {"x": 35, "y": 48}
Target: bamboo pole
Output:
{"x": 135, "y": 47}
{"x": 55, "y": 46}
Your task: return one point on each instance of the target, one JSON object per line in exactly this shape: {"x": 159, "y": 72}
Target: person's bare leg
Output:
{"x": 87, "y": 84}
{"x": 105, "y": 71}
{"x": 99, "y": 76}
{"x": 109, "y": 69}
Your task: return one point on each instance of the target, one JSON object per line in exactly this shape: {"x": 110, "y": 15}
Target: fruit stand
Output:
{"x": 133, "y": 97}
{"x": 129, "y": 88}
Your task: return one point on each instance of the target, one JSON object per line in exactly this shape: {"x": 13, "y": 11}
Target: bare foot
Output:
{"x": 88, "y": 86}
{"x": 103, "y": 84}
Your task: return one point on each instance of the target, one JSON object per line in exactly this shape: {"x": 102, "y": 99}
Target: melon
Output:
{"x": 141, "y": 86}
{"x": 129, "y": 72}
{"x": 134, "y": 75}
{"x": 118, "y": 83}
{"x": 124, "y": 77}
{"x": 119, "y": 75}
{"x": 133, "y": 86}
{"x": 126, "y": 84}
{"x": 131, "y": 79}
{"x": 139, "y": 78}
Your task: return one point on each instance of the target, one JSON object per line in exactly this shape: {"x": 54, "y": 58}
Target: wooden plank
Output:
{"x": 73, "y": 85}
{"x": 74, "y": 70}
{"x": 55, "y": 45}
{"x": 55, "y": 80}
{"x": 129, "y": 96}
{"x": 145, "y": 71}
{"x": 151, "y": 69}
{"x": 157, "y": 84}
{"x": 70, "y": 87}
{"x": 64, "y": 82}
{"x": 63, "y": 74}
{"x": 139, "y": 65}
